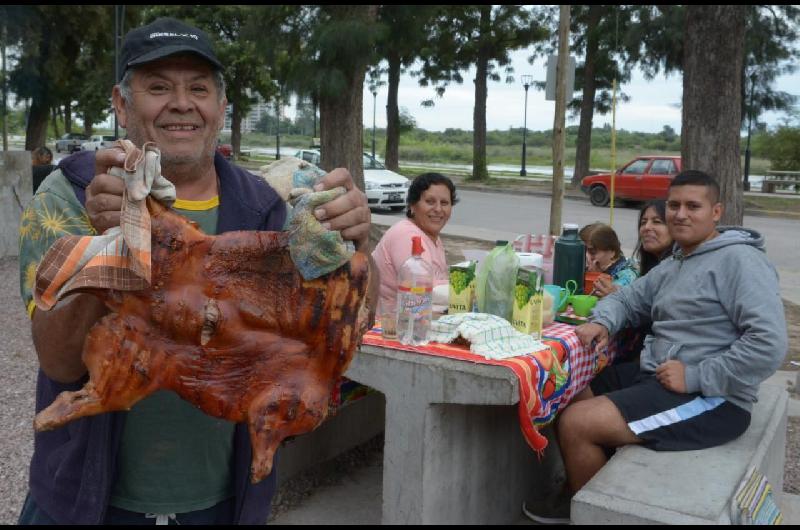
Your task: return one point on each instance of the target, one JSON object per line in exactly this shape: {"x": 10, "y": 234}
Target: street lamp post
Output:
{"x": 746, "y": 183}
{"x": 374, "y": 100}
{"x": 527, "y": 80}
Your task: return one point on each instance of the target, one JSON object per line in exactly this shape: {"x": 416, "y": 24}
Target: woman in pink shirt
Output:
{"x": 431, "y": 198}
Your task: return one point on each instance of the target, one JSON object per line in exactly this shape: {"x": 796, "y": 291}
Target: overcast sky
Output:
{"x": 653, "y": 104}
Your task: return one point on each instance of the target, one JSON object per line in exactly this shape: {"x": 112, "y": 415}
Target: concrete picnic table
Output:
{"x": 453, "y": 451}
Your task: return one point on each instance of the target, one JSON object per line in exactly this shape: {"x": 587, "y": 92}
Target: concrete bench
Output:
{"x": 640, "y": 486}
{"x": 777, "y": 179}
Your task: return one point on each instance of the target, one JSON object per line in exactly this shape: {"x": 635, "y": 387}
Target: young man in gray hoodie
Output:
{"x": 718, "y": 331}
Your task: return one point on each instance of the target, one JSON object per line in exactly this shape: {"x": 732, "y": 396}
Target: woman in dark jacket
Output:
{"x": 655, "y": 243}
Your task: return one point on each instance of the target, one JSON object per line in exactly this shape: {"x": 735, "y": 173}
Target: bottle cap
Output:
{"x": 416, "y": 246}
{"x": 571, "y": 226}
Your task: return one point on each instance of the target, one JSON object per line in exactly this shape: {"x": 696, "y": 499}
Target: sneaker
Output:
{"x": 551, "y": 510}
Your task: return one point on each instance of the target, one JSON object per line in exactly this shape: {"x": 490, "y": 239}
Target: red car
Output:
{"x": 225, "y": 150}
{"x": 641, "y": 179}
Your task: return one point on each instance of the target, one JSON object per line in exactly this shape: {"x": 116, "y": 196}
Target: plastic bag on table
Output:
{"x": 495, "y": 282}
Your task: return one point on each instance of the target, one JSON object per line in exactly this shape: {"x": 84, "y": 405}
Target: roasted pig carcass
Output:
{"x": 228, "y": 324}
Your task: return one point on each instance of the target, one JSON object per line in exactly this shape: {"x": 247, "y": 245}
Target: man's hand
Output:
{"x": 592, "y": 332}
{"x": 104, "y": 193}
{"x": 672, "y": 376}
{"x": 349, "y": 214}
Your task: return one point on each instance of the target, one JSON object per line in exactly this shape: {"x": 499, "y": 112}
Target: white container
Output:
{"x": 529, "y": 260}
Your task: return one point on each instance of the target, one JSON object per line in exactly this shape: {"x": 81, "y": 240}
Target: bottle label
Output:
{"x": 415, "y": 290}
{"x": 416, "y": 303}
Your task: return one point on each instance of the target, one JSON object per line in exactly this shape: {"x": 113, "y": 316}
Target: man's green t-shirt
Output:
{"x": 173, "y": 458}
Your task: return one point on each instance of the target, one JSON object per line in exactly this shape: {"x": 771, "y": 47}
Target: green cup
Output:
{"x": 583, "y": 304}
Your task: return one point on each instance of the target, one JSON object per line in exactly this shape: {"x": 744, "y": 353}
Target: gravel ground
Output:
{"x": 18, "y": 365}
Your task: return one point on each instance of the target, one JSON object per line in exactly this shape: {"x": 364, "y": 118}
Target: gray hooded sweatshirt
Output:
{"x": 717, "y": 310}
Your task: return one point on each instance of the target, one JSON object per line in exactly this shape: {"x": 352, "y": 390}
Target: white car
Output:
{"x": 384, "y": 188}
{"x": 98, "y": 141}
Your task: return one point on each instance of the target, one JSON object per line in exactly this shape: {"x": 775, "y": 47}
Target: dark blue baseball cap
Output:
{"x": 162, "y": 38}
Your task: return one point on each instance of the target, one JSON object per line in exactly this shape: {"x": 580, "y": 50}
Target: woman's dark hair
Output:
{"x": 647, "y": 260}
{"x": 422, "y": 183}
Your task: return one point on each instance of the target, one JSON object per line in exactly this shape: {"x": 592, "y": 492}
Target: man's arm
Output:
{"x": 59, "y": 334}
{"x": 751, "y": 297}
{"x": 629, "y": 306}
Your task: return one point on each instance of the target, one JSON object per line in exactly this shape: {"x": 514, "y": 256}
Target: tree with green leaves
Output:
{"x": 45, "y": 74}
{"x": 598, "y": 35}
{"x": 404, "y": 32}
{"x": 771, "y": 33}
{"x": 327, "y": 51}
{"x": 483, "y": 36}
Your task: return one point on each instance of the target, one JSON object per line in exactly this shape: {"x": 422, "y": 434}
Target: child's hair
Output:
{"x": 603, "y": 237}
{"x": 586, "y": 231}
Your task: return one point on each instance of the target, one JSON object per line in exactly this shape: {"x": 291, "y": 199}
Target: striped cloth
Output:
{"x": 754, "y": 501}
{"x": 120, "y": 258}
{"x": 548, "y": 378}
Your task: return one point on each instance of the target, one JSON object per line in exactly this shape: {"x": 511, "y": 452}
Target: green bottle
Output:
{"x": 569, "y": 261}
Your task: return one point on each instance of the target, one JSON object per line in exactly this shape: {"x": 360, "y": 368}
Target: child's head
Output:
{"x": 602, "y": 247}
{"x": 586, "y": 231}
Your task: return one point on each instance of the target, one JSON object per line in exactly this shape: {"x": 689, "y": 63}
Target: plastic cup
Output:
{"x": 560, "y": 297}
{"x": 582, "y": 304}
{"x": 389, "y": 325}
{"x": 590, "y": 277}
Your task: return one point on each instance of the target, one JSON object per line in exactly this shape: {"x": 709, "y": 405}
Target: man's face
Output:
{"x": 176, "y": 104}
{"x": 692, "y": 217}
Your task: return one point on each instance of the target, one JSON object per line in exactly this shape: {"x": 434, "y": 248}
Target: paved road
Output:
{"x": 503, "y": 216}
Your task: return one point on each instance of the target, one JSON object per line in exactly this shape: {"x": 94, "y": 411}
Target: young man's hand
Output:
{"x": 672, "y": 376}
{"x": 589, "y": 333}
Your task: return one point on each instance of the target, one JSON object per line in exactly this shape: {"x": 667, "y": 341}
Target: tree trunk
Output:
{"x": 236, "y": 130}
{"x": 393, "y": 115}
{"x": 68, "y": 117}
{"x": 712, "y": 92}
{"x": 88, "y": 123}
{"x": 583, "y": 149}
{"x": 54, "y": 112}
{"x": 341, "y": 129}
{"x": 341, "y": 116}
{"x": 479, "y": 171}
{"x": 36, "y": 130}
{"x": 559, "y": 122}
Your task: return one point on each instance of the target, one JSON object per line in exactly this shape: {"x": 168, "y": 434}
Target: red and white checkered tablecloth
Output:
{"x": 584, "y": 364}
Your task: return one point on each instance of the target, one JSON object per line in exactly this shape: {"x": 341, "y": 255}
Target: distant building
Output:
{"x": 249, "y": 122}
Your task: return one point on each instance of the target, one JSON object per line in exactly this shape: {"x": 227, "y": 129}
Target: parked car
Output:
{"x": 384, "y": 188}
{"x": 70, "y": 142}
{"x": 97, "y": 142}
{"x": 643, "y": 178}
{"x": 225, "y": 150}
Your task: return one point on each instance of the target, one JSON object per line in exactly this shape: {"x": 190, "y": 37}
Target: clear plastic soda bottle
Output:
{"x": 414, "y": 297}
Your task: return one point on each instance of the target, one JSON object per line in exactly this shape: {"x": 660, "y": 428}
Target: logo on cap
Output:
{"x": 168, "y": 34}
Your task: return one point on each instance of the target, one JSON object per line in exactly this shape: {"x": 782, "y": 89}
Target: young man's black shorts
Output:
{"x": 666, "y": 420}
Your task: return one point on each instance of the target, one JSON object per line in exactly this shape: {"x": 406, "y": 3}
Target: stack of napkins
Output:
{"x": 491, "y": 336}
